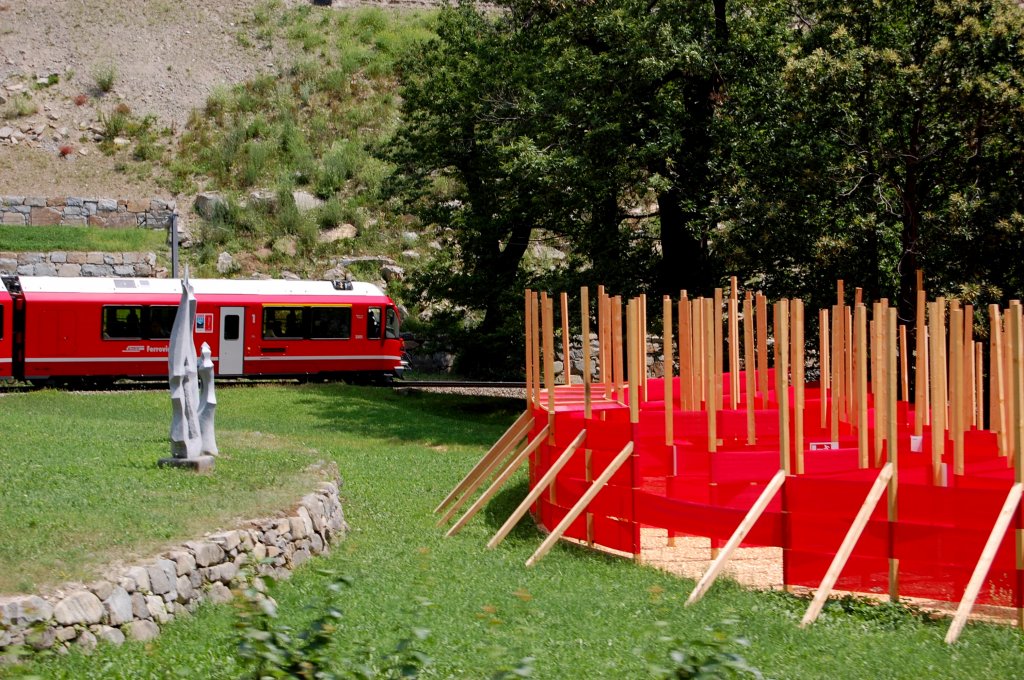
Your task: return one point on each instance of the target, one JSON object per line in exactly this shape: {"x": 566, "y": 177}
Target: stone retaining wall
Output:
{"x": 73, "y": 211}
{"x": 60, "y": 263}
{"x": 132, "y": 602}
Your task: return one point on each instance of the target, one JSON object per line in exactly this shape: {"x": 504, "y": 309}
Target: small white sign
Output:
{"x": 819, "y": 446}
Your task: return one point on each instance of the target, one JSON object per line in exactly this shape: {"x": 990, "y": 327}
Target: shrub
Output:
{"x": 105, "y": 76}
{"x": 20, "y": 106}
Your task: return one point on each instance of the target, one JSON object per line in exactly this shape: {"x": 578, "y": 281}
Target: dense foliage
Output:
{"x": 665, "y": 144}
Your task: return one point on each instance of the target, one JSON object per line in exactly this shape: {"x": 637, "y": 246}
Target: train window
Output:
{"x": 122, "y": 322}
{"x": 160, "y": 321}
{"x": 391, "y": 329}
{"x": 330, "y": 322}
{"x": 373, "y": 323}
{"x": 231, "y": 327}
{"x": 283, "y": 322}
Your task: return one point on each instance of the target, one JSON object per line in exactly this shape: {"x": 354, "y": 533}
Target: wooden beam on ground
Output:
{"x": 516, "y": 431}
{"x": 737, "y": 537}
{"x": 988, "y": 554}
{"x": 581, "y": 504}
{"x": 848, "y": 544}
{"x": 503, "y": 477}
{"x": 535, "y": 493}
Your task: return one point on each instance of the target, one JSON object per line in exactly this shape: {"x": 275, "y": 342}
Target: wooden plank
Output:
{"x": 904, "y": 366}
{"x": 712, "y": 387}
{"x": 891, "y": 418}
{"x": 782, "y": 380}
{"x": 683, "y": 346}
{"x": 956, "y": 385}
{"x": 667, "y": 353}
{"x": 920, "y": 367}
{"x": 734, "y": 353}
{"x": 836, "y": 365}
{"x": 968, "y": 419}
{"x": 535, "y": 338}
{"x": 848, "y": 365}
{"x": 979, "y": 387}
{"x": 538, "y": 489}
{"x": 936, "y": 337}
{"x": 498, "y": 482}
{"x": 548, "y": 329}
{"x": 762, "y": 348}
{"x": 981, "y": 569}
{"x": 737, "y": 537}
{"x": 849, "y": 542}
{"x": 585, "y": 332}
{"x": 697, "y": 328}
{"x": 860, "y": 341}
{"x": 750, "y": 372}
{"x": 513, "y": 434}
{"x": 719, "y": 359}
{"x": 797, "y": 367}
{"x": 566, "y": 363}
{"x": 823, "y": 365}
{"x": 996, "y": 389}
{"x": 528, "y": 332}
{"x": 632, "y": 339}
{"x": 641, "y": 347}
{"x": 617, "y": 367}
{"x": 581, "y": 504}
{"x": 892, "y": 452}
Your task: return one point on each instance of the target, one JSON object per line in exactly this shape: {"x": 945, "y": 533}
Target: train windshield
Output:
{"x": 391, "y": 329}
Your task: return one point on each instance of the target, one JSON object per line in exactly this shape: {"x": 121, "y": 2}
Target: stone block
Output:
{"x": 135, "y": 205}
{"x": 14, "y": 219}
{"x": 86, "y": 641}
{"x": 139, "y": 608}
{"x": 77, "y": 258}
{"x": 97, "y": 270}
{"x": 31, "y": 258}
{"x": 184, "y": 561}
{"x": 58, "y": 257}
{"x": 121, "y": 220}
{"x": 124, "y": 270}
{"x": 45, "y": 269}
{"x": 298, "y": 527}
{"x": 142, "y": 631}
{"x": 56, "y": 201}
{"x": 35, "y": 201}
{"x": 75, "y": 202}
{"x": 185, "y": 589}
{"x": 102, "y": 589}
{"x": 8, "y": 266}
{"x": 81, "y": 607}
{"x": 76, "y": 221}
{"x": 69, "y": 270}
{"x": 227, "y": 540}
{"x": 157, "y": 608}
{"x": 111, "y": 635}
{"x": 40, "y": 217}
{"x": 118, "y": 606}
{"x": 206, "y": 552}
{"x": 218, "y": 593}
{"x": 94, "y": 258}
{"x": 162, "y": 576}
{"x": 106, "y": 205}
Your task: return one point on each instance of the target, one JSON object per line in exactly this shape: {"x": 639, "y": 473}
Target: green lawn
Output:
{"x": 31, "y": 239}
{"x": 576, "y": 614}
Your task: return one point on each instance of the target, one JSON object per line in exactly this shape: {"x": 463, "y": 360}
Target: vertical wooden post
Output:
{"x": 891, "y": 455}
{"x": 837, "y": 367}
{"x": 762, "y": 348}
{"x": 585, "y": 332}
{"x": 604, "y": 341}
{"x": 979, "y": 387}
{"x": 848, "y": 364}
{"x": 734, "y": 348}
{"x": 904, "y": 376}
{"x": 956, "y": 380}
{"x": 750, "y": 371}
{"x": 633, "y": 378}
{"x": 685, "y": 356}
{"x": 699, "y": 355}
{"x": 711, "y": 398}
{"x": 719, "y": 359}
{"x": 860, "y": 341}
{"x": 878, "y": 381}
{"x": 528, "y": 321}
{"x": 1011, "y": 396}
{"x": 1016, "y": 419}
{"x": 782, "y": 380}
{"x": 548, "y": 323}
{"x": 944, "y": 377}
{"x": 797, "y": 315}
{"x": 920, "y": 368}
{"x": 937, "y": 337}
{"x": 617, "y": 368}
{"x": 642, "y": 346}
{"x": 823, "y": 364}
{"x": 566, "y": 362}
{"x": 666, "y": 342}
{"x": 996, "y": 387}
{"x": 968, "y": 420}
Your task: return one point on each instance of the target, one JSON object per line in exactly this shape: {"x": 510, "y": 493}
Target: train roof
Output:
{"x": 255, "y": 287}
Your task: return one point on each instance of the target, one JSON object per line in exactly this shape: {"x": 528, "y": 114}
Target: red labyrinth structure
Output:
{"x": 747, "y": 453}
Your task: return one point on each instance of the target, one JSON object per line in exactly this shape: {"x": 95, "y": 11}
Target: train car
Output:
{"x": 6, "y": 333}
{"x": 94, "y": 328}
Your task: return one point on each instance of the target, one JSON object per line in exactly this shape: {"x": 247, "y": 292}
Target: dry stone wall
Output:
{"x": 133, "y": 602}
{"x": 75, "y": 211}
{"x": 59, "y": 263}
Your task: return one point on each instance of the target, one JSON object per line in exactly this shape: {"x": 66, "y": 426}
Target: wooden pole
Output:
{"x": 979, "y": 387}
{"x": 711, "y": 390}
{"x": 762, "y": 349}
{"x": 988, "y": 554}
{"x": 737, "y": 537}
{"x": 956, "y": 379}
{"x": 969, "y": 398}
{"x": 566, "y": 361}
{"x": 1016, "y": 420}
{"x": 535, "y": 339}
{"x": 699, "y": 355}
{"x": 617, "y": 367}
{"x": 685, "y": 369}
{"x": 604, "y": 340}
{"x": 632, "y": 336}
{"x": 878, "y": 381}
{"x": 920, "y": 367}
{"x": 936, "y": 337}
{"x": 847, "y": 365}
{"x": 849, "y": 542}
{"x": 642, "y": 344}
{"x": 891, "y": 420}
{"x": 782, "y": 380}
{"x": 734, "y": 349}
{"x": 750, "y": 371}
{"x": 837, "y": 368}
{"x": 860, "y": 339}
{"x": 996, "y": 389}
{"x": 797, "y": 310}
{"x": 823, "y": 365}
{"x": 904, "y": 367}
{"x": 528, "y": 332}
{"x": 499, "y": 482}
{"x": 666, "y": 341}
{"x": 718, "y": 370}
{"x": 548, "y": 325}
{"x": 535, "y": 493}
{"x": 581, "y": 504}
{"x": 893, "y": 485}
{"x": 585, "y": 332}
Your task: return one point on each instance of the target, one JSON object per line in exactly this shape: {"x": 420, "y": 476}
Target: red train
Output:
{"x": 55, "y": 329}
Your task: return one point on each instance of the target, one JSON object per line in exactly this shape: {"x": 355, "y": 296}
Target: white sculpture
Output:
{"x": 190, "y": 445}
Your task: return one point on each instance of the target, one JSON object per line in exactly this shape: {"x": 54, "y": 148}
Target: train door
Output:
{"x": 232, "y": 340}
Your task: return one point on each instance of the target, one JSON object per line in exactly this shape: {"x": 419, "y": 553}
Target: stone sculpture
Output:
{"x": 190, "y": 446}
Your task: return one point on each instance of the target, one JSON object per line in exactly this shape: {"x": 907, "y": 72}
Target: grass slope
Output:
{"x": 576, "y": 614}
